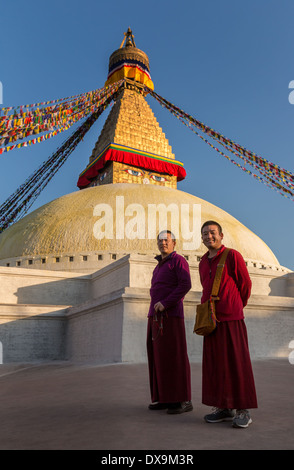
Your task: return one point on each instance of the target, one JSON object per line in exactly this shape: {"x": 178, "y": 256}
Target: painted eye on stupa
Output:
{"x": 134, "y": 172}
{"x": 160, "y": 179}
{"x": 101, "y": 177}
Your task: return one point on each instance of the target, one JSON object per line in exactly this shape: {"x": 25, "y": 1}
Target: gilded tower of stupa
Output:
{"x": 132, "y": 147}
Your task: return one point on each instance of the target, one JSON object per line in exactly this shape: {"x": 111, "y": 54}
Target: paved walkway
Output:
{"x": 88, "y": 407}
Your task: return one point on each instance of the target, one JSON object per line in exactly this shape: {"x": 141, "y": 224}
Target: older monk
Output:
{"x": 169, "y": 367}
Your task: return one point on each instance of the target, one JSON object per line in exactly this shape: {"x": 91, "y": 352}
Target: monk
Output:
{"x": 169, "y": 366}
{"x": 227, "y": 376}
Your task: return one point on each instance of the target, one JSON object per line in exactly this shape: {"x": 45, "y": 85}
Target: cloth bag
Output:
{"x": 205, "y": 320}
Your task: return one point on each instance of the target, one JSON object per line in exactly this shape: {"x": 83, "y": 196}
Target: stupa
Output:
{"x": 128, "y": 193}
{"x": 81, "y": 264}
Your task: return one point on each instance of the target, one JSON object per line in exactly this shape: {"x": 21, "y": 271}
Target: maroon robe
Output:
{"x": 169, "y": 367}
{"x": 227, "y": 377}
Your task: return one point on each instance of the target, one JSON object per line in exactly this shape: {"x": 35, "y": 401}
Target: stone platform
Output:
{"x": 101, "y": 318}
{"x": 65, "y": 406}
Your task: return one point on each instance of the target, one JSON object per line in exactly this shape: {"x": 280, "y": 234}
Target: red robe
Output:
{"x": 227, "y": 376}
{"x": 169, "y": 366}
{"x": 235, "y": 287}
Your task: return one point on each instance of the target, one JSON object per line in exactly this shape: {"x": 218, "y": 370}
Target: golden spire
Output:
{"x": 132, "y": 148}
{"x": 129, "y": 38}
{"x": 129, "y": 63}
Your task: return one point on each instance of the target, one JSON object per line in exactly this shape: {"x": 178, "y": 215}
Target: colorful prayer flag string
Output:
{"x": 272, "y": 175}
{"x": 21, "y": 107}
{"x": 18, "y": 204}
{"x": 47, "y": 122}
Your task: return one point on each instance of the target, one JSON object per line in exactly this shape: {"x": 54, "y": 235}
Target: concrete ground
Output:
{"x": 90, "y": 407}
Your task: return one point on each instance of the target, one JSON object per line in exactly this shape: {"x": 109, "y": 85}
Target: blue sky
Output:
{"x": 227, "y": 63}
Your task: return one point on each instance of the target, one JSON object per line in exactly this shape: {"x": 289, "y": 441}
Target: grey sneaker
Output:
{"x": 242, "y": 419}
{"x": 218, "y": 415}
{"x": 181, "y": 407}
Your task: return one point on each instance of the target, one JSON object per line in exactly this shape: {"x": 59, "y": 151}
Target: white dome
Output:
{"x": 107, "y": 218}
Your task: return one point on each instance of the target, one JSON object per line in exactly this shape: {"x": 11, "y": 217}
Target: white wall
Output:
{"x": 102, "y": 317}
